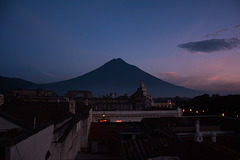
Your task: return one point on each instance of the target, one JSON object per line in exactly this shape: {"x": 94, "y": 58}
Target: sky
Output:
{"x": 191, "y": 43}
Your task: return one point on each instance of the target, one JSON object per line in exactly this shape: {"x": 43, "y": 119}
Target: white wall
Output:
{"x": 134, "y": 116}
{"x": 75, "y": 140}
{"x": 37, "y": 145}
{"x": 34, "y": 147}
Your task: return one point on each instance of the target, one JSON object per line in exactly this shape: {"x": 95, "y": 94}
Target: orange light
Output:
{"x": 203, "y": 111}
{"x": 190, "y": 110}
{"x": 103, "y": 121}
{"x": 223, "y": 114}
{"x": 103, "y": 115}
{"x": 196, "y": 111}
{"x": 118, "y": 121}
{"x": 183, "y": 110}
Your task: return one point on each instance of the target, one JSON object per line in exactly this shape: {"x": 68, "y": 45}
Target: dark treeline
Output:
{"x": 206, "y": 104}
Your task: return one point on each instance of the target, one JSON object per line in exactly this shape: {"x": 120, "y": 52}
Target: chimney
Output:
{"x": 34, "y": 122}
{"x": 213, "y": 137}
{"x": 86, "y": 102}
{"x": 1, "y": 99}
{"x": 72, "y": 106}
{"x": 198, "y": 137}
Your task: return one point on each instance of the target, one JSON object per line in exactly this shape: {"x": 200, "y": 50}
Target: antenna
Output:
{"x": 34, "y": 122}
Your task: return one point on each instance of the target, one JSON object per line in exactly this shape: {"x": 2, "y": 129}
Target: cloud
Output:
{"x": 211, "y": 45}
{"x": 217, "y": 32}
{"x": 45, "y": 73}
{"x": 237, "y": 26}
{"x": 207, "y": 82}
{"x": 209, "y": 72}
{"x": 223, "y": 30}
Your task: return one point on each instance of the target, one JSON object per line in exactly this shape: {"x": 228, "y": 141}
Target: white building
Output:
{"x": 59, "y": 140}
{"x": 134, "y": 116}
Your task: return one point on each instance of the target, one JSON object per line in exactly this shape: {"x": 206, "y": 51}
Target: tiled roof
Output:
{"x": 108, "y": 131}
{"x": 165, "y": 143}
{"x": 44, "y": 112}
{"x": 15, "y": 120}
{"x": 159, "y": 146}
{"x": 225, "y": 122}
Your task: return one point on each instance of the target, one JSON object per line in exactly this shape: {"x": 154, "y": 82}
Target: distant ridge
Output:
{"x": 115, "y": 76}
{"x": 7, "y": 84}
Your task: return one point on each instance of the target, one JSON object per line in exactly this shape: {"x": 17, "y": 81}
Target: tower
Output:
{"x": 144, "y": 89}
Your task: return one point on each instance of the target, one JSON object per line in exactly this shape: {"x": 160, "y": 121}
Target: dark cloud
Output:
{"x": 223, "y": 30}
{"x": 237, "y": 26}
{"x": 211, "y": 45}
{"x": 217, "y": 32}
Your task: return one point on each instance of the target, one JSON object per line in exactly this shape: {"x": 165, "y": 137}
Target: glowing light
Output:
{"x": 203, "y": 111}
{"x": 103, "y": 121}
{"x": 190, "y": 110}
{"x": 237, "y": 116}
{"x": 197, "y": 112}
{"x": 223, "y": 114}
{"x": 118, "y": 121}
{"x": 103, "y": 115}
{"x": 183, "y": 110}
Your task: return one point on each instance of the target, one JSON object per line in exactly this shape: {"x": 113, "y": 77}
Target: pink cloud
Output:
{"x": 209, "y": 73}
{"x": 205, "y": 82}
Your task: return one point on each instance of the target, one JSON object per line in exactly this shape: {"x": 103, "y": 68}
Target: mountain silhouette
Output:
{"x": 117, "y": 76}
{"x": 7, "y": 84}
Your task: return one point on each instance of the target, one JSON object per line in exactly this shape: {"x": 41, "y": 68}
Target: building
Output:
{"x": 169, "y": 104}
{"x": 167, "y": 138}
{"x": 134, "y": 116}
{"x": 30, "y": 93}
{"x": 110, "y": 103}
{"x": 139, "y": 100}
{"x": 38, "y": 126}
{"x": 130, "y": 109}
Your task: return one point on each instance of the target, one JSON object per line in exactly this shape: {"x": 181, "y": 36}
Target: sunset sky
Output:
{"x": 194, "y": 43}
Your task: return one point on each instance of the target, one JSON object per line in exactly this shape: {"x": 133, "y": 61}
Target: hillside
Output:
{"x": 7, "y": 84}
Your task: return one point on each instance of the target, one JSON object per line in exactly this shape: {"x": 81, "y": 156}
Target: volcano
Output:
{"x": 117, "y": 76}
